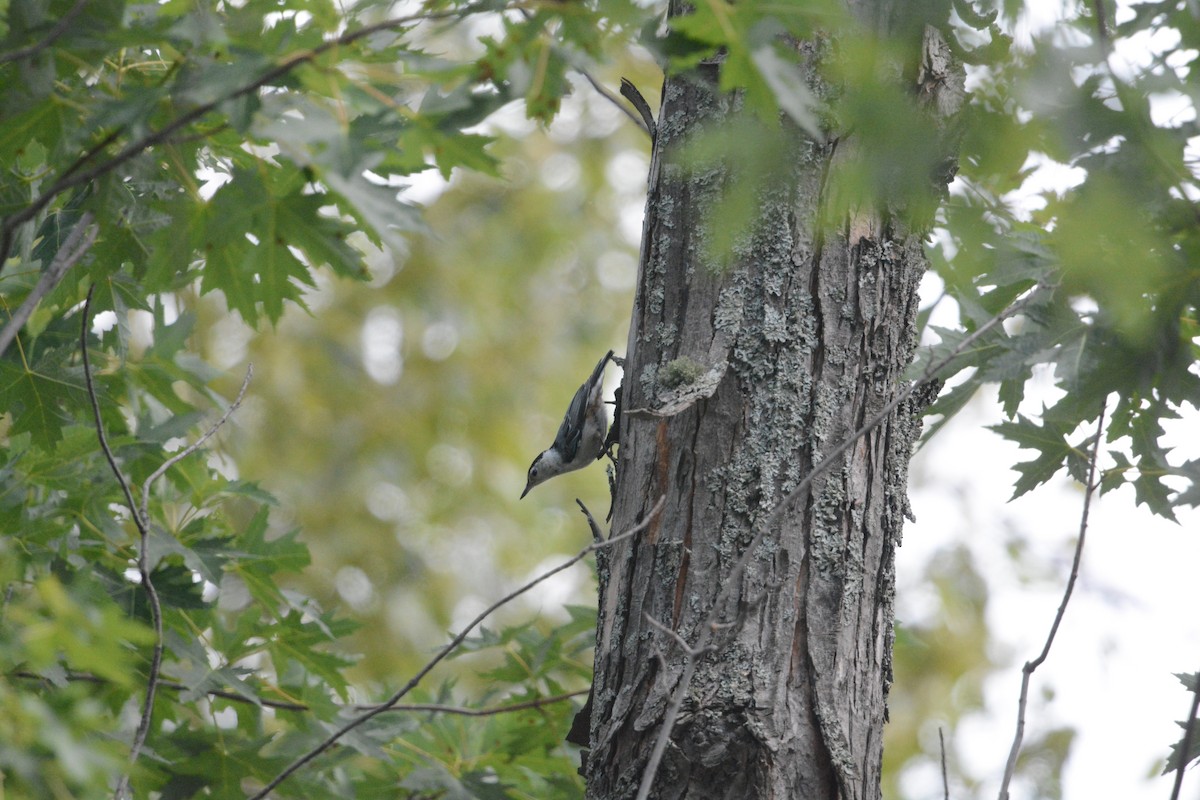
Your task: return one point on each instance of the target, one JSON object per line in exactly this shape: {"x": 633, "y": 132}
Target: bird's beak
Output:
{"x": 528, "y": 486}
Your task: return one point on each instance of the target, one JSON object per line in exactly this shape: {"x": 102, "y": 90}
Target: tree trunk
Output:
{"x": 807, "y": 334}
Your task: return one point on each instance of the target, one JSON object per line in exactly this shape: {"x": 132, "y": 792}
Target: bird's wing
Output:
{"x": 569, "y": 433}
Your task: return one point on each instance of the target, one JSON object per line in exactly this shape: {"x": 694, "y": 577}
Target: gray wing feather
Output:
{"x": 566, "y": 441}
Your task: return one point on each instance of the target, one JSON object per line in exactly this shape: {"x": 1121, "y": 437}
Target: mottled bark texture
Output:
{"x": 813, "y": 325}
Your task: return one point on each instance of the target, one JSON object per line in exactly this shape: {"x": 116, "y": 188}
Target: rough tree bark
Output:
{"x": 813, "y": 327}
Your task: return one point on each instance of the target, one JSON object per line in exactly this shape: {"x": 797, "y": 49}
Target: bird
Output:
{"x": 582, "y": 436}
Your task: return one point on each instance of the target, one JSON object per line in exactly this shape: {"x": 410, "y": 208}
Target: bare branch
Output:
{"x": 489, "y": 711}
{"x": 449, "y": 648}
{"x": 687, "y": 649}
{"x": 599, "y": 87}
{"x": 672, "y": 713}
{"x": 58, "y": 30}
{"x": 74, "y": 176}
{"x": 945, "y": 779}
{"x": 1027, "y": 671}
{"x": 86, "y": 677}
{"x": 194, "y": 446}
{"x": 669, "y": 717}
{"x": 1185, "y": 746}
{"x": 283, "y": 705}
{"x": 612, "y": 98}
{"x": 141, "y": 519}
{"x": 930, "y": 373}
{"x": 143, "y": 563}
{"x": 597, "y": 536}
{"x": 85, "y": 319}
{"x": 631, "y": 93}
{"x": 732, "y": 581}
{"x": 77, "y": 243}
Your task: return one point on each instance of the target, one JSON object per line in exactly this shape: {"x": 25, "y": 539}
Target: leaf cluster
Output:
{"x": 1105, "y": 267}
{"x": 235, "y": 151}
{"x": 77, "y": 623}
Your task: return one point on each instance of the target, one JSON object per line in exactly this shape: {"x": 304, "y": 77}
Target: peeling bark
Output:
{"x": 805, "y": 336}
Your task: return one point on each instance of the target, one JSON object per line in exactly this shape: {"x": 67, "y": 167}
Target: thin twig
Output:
{"x": 449, "y": 648}
{"x": 930, "y": 373}
{"x": 142, "y": 517}
{"x": 597, "y": 536}
{"x": 672, "y": 713}
{"x": 283, "y": 705}
{"x": 660, "y": 744}
{"x": 87, "y": 677}
{"x": 688, "y": 650}
{"x": 945, "y": 778}
{"x": 75, "y": 177}
{"x": 631, "y": 93}
{"x": 91, "y": 152}
{"x": 599, "y": 87}
{"x": 143, "y": 561}
{"x": 91, "y": 391}
{"x": 487, "y": 711}
{"x": 77, "y": 243}
{"x": 278, "y": 705}
{"x": 732, "y": 581}
{"x": 58, "y": 30}
{"x": 196, "y": 445}
{"x": 612, "y": 98}
{"x": 1027, "y": 671}
{"x": 1185, "y": 746}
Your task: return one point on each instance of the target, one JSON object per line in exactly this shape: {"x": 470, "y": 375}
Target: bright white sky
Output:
{"x": 1132, "y": 620}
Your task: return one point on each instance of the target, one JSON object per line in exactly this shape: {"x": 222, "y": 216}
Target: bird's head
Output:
{"x": 544, "y": 467}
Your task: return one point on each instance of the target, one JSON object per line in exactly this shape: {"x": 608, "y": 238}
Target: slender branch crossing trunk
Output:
{"x": 782, "y": 354}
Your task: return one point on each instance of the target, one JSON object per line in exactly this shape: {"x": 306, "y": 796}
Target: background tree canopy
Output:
{"x": 421, "y": 224}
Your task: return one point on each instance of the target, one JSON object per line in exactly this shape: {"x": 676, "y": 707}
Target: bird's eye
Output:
{"x": 533, "y": 472}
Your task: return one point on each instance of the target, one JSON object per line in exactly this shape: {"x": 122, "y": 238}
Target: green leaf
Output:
{"x": 1152, "y": 464}
{"x": 1115, "y": 476}
{"x": 790, "y": 89}
{"x": 249, "y": 231}
{"x": 450, "y": 151}
{"x": 257, "y": 561}
{"x": 92, "y": 637}
{"x": 308, "y": 645}
{"x": 1048, "y": 439}
{"x": 341, "y": 158}
{"x": 37, "y": 395}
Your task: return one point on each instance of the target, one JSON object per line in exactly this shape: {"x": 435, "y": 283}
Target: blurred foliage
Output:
{"x": 1107, "y": 266}
{"x": 940, "y": 666}
{"x": 458, "y": 392}
{"x": 238, "y": 160}
{"x": 235, "y": 159}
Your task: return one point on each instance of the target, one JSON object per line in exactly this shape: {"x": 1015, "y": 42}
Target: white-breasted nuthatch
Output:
{"x": 582, "y": 437}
